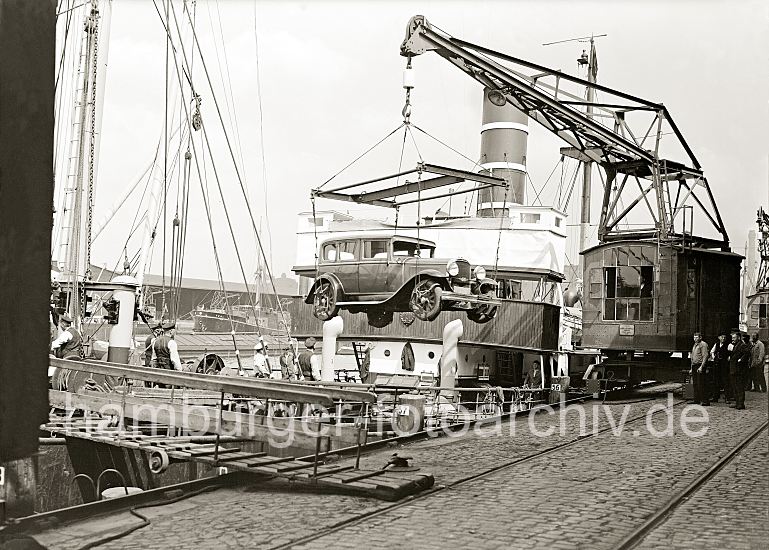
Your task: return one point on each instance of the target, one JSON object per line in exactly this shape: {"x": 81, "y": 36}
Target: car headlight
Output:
{"x": 479, "y": 272}
{"x": 452, "y": 268}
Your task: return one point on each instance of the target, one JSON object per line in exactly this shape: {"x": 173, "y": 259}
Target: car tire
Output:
{"x": 482, "y": 315}
{"x": 425, "y": 300}
{"x": 484, "y": 312}
{"x": 325, "y": 300}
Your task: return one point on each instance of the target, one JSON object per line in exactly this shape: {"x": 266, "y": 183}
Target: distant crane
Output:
{"x": 762, "y": 282}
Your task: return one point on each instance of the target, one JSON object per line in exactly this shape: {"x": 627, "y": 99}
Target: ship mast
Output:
{"x": 587, "y": 166}
{"x": 74, "y": 245}
{"x": 590, "y": 61}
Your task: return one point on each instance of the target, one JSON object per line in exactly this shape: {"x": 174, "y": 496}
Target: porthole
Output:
{"x": 387, "y": 353}
{"x": 430, "y": 355}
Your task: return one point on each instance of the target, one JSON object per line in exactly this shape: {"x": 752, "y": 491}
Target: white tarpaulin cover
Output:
{"x": 539, "y": 245}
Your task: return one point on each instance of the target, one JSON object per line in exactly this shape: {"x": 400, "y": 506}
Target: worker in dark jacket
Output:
{"x": 739, "y": 360}
{"x": 307, "y": 361}
{"x": 719, "y": 355}
{"x": 164, "y": 350}
{"x": 69, "y": 343}
{"x": 157, "y": 330}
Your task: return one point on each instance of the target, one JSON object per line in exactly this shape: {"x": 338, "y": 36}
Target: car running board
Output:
{"x": 469, "y": 298}
{"x": 367, "y": 303}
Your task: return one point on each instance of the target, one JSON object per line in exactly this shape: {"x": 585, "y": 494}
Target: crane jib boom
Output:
{"x": 557, "y": 110}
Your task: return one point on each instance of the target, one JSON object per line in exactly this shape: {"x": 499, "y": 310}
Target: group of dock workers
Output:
{"x": 293, "y": 365}
{"x": 731, "y": 368}
{"x": 161, "y": 351}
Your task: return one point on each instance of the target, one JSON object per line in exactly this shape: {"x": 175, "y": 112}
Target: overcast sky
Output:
{"x": 331, "y": 87}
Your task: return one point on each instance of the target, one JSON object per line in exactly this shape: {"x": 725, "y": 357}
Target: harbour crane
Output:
{"x": 670, "y": 189}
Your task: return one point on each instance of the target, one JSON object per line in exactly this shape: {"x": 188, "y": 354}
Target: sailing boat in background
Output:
{"x": 184, "y": 160}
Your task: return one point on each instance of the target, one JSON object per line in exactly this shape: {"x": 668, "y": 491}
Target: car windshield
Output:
{"x": 405, "y": 248}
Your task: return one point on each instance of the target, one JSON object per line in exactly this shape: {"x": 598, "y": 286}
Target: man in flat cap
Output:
{"x": 69, "y": 343}
{"x": 308, "y": 361}
{"x": 164, "y": 349}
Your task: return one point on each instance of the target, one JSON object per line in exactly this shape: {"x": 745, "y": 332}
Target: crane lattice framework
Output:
{"x": 623, "y": 136}
{"x": 762, "y": 282}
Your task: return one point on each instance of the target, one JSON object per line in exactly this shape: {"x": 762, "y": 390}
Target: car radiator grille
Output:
{"x": 464, "y": 270}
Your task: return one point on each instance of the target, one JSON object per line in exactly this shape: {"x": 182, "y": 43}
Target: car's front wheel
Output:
{"x": 425, "y": 300}
{"x": 324, "y": 302}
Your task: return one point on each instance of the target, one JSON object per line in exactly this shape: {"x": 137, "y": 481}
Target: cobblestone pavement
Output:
{"x": 586, "y": 495}
{"x": 715, "y": 516}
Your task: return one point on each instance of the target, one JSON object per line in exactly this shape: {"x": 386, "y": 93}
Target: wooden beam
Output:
{"x": 252, "y": 387}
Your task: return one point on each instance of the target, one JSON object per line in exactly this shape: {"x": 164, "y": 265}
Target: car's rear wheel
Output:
{"x": 324, "y": 302}
{"x": 425, "y": 300}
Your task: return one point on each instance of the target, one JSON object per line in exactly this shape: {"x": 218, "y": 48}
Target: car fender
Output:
{"x": 325, "y": 277}
{"x": 486, "y": 285}
{"x": 404, "y": 292}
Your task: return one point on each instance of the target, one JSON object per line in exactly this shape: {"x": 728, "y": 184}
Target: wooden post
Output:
{"x": 18, "y": 490}
{"x": 27, "y": 59}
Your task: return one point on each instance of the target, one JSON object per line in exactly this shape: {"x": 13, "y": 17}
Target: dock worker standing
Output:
{"x": 261, "y": 363}
{"x": 533, "y": 378}
{"x": 289, "y": 365}
{"x": 719, "y": 355}
{"x": 69, "y": 343}
{"x": 738, "y": 369}
{"x": 309, "y": 363}
{"x": 156, "y": 331}
{"x": 757, "y": 353}
{"x": 164, "y": 349}
{"x": 699, "y": 358}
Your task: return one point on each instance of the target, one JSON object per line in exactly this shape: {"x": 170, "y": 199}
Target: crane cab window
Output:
{"x": 628, "y": 284}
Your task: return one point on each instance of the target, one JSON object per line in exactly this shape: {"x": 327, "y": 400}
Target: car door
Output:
{"x": 373, "y": 266}
{"x": 346, "y": 267}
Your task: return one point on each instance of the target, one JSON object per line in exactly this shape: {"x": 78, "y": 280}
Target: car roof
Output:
{"x": 370, "y": 235}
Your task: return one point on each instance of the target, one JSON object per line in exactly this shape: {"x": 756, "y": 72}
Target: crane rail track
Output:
{"x": 639, "y": 534}
{"x": 440, "y": 488}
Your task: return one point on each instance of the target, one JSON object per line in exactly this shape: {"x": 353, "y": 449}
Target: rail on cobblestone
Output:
{"x": 639, "y": 534}
{"x": 479, "y": 475}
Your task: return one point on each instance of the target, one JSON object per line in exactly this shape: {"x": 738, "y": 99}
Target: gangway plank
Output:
{"x": 382, "y": 484}
{"x": 254, "y": 387}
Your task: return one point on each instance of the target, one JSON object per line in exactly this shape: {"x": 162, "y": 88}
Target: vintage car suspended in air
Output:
{"x": 384, "y": 274}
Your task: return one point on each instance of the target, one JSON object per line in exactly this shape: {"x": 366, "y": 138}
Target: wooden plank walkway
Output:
{"x": 381, "y": 484}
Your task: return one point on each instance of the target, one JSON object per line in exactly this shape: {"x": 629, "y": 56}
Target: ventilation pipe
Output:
{"x": 121, "y": 334}
{"x": 452, "y": 332}
{"x": 331, "y": 329}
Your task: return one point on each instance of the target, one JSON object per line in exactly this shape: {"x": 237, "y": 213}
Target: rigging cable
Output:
{"x": 501, "y": 223}
{"x": 221, "y": 193}
{"x": 237, "y": 172}
{"x": 204, "y": 192}
{"x": 261, "y": 133}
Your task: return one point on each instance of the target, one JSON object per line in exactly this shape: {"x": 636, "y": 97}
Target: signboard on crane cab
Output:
{"x": 627, "y": 330}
